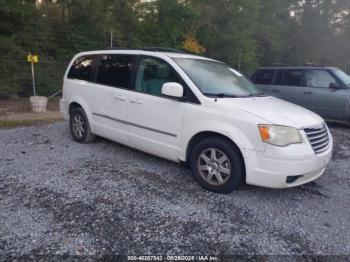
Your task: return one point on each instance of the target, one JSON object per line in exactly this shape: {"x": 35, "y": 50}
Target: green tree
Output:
{"x": 273, "y": 27}
{"x": 164, "y": 22}
{"x": 226, "y": 29}
{"x": 245, "y": 34}
{"x": 23, "y": 29}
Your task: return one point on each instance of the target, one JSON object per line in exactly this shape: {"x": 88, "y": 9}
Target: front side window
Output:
{"x": 115, "y": 70}
{"x": 319, "y": 78}
{"x": 289, "y": 78}
{"x": 81, "y": 68}
{"x": 265, "y": 77}
{"x": 216, "y": 79}
{"x": 342, "y": 76}
{"x": 152, "y": 74}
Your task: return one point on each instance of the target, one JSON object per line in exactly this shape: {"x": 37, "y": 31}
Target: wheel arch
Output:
{"x": 206, "y": 134}
{"x": 79, "y": 102}
{"x": 72, "y": 106}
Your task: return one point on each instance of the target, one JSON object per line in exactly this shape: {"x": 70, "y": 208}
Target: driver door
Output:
{"x": 320, "y": 98}
{"x": 155, "y": 121}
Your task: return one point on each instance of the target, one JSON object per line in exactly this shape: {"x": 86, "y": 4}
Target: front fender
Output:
{"x": 248, "y": 140}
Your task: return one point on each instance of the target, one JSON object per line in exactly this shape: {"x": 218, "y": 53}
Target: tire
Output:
{"x": 221, "y": 172}
{"x": 80, "y": 127}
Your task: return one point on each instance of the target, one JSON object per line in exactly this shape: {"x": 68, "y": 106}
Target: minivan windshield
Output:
{"x": 342, "y": 76}
{"x": 217, "y": 79}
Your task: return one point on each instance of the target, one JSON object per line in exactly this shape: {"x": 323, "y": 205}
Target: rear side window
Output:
{"x": 115, "y": 70}
{"x": 264, "y": 77}
{"x": 81, "y": 68}
{"x": 289, "y": 78}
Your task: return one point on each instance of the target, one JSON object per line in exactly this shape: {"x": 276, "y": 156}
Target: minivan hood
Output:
{"x": 274, "y": 110}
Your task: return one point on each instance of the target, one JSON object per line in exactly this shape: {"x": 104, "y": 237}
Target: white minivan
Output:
{"x": 195, "y": 110}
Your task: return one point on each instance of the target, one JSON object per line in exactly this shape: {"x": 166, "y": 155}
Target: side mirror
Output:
{"x": 334, "y": 86}
{"x": 172, "y": 89}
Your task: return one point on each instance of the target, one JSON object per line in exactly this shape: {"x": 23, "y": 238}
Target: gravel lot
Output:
{"x": 58, "y": 197}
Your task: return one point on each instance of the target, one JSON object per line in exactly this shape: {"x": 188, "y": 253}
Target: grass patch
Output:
{"x": 27, "y": 122}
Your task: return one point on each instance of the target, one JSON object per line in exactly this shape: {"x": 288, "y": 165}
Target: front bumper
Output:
{"x": 304, "y": 166}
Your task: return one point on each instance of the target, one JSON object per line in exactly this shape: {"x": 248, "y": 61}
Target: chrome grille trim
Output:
{"x": 321, "y": 140}
{"x": 314, "y": 131}
{"x": 321, "y": 146}
{"x": 318, "y": 138}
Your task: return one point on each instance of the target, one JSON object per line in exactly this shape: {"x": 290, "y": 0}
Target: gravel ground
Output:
{"x": 58, "y": 197}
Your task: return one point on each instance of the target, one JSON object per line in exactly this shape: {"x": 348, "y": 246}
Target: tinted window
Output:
{"x": 115, "y": 70}
{"x": 279, "y": 78}
{"x": 152, "y": 74}
{"x": 290, "y": 78}
{"x": 81, "y": 68}
{"x": 265, "y": 77}
{"x": 318, "y": 78}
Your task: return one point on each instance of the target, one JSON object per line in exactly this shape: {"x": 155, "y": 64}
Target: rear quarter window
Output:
{"x": 81, "y": 68}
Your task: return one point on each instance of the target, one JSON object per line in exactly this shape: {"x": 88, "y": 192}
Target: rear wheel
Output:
{"x": 80, "y": 127}
{"x": 216, "y": 165}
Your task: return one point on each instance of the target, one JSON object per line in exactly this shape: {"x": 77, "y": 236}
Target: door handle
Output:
{"x": 308, "y": 93}
{"x": 120, "y": 97}
{"x": 136, "y": 101}
{"x": 275, "y": 90}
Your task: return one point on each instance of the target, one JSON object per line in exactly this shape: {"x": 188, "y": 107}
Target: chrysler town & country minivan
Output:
{"x": 192, "y": 109}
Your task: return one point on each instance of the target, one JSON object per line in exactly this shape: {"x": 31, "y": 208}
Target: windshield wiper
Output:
{"x": 225, "y": 95}
{"x": 256, "y": 95}
{"x": 220, "y": 95}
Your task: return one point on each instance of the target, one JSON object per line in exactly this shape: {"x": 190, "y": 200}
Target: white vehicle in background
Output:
{"x": 192, "y": 109}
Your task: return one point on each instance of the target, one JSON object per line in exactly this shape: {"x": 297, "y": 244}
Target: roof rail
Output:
{"x": 163, "y": 49}
{"x": 120, "y": 48}
{"x": 280, "y": 64}
{"x": 312, "y": 65}
{"x": 151, "y": 48}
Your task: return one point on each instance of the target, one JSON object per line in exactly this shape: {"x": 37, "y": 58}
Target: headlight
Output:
{"x": 279, "y": 135}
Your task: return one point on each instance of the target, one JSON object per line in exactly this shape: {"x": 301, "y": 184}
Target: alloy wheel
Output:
{"x": 214, "y": 166}
{"x": 78, "y": 125}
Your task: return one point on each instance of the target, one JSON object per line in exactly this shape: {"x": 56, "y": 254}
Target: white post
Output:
{"x": 33, "y": 76}
{"x": 111, "y": 38}
{"x": 239, "y": 61}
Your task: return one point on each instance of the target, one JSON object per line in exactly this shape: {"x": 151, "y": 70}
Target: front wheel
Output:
{"x": 80, "y": 127}
{"x": 217, "y": 165}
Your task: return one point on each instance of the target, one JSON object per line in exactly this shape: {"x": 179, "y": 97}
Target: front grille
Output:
{"x": 318, "y": 138}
